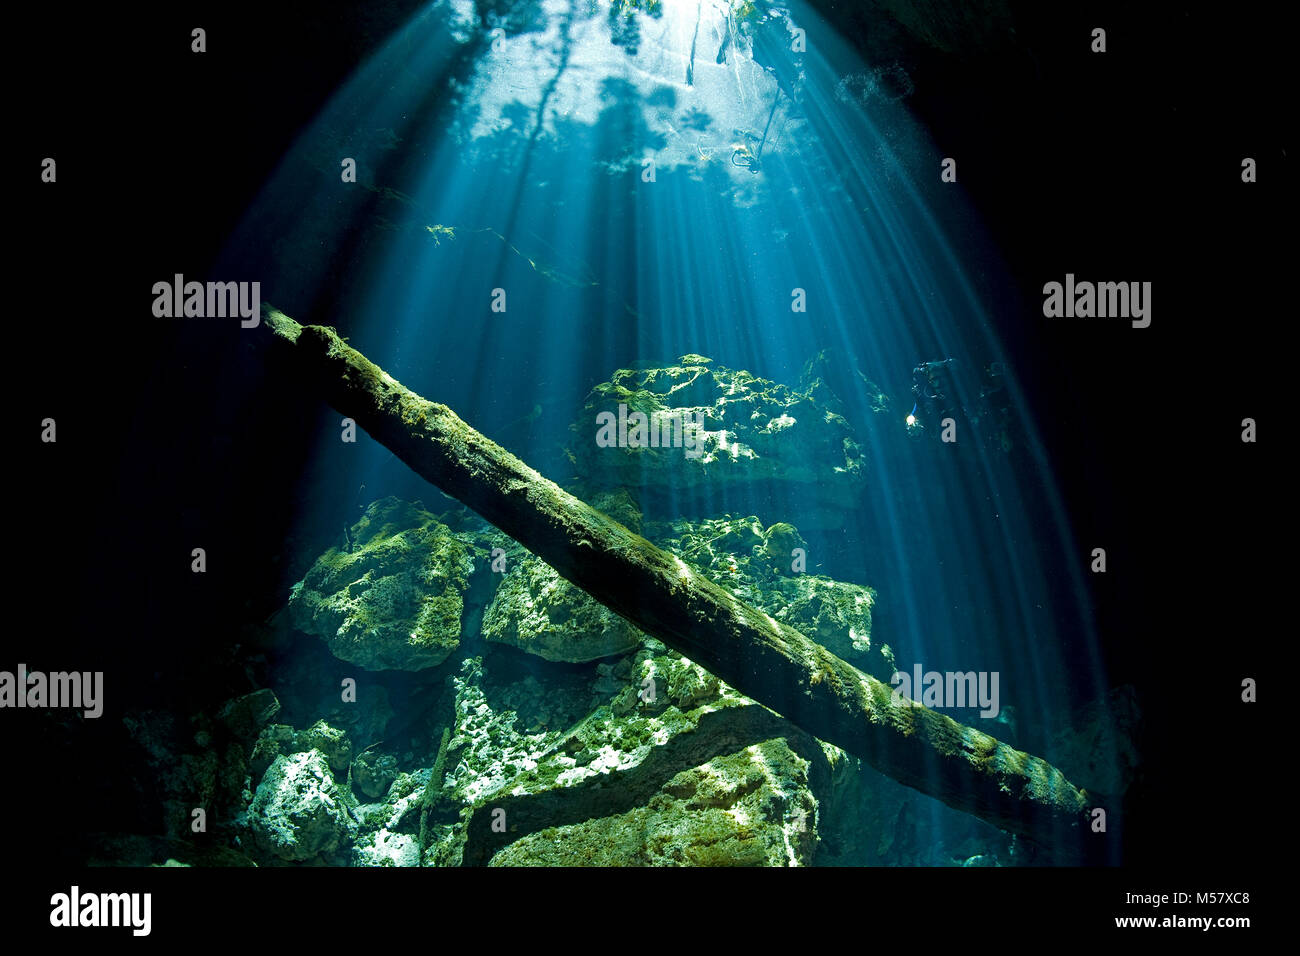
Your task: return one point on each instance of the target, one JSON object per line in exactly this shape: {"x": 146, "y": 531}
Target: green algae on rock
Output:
{"x": 747, "y": 808}
{"x": 282, "y": 740}
{"x": 752, "y": 430}
{"x": 394, "y": 600}
{"x": 406, "y": 562}
{"x": 536, "y": 610}
{"x": 299, "y": 814}
{"x": 756, "y": 564}
{"x": 616, "y": 759}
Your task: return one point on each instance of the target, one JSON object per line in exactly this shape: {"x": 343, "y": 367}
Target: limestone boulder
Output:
{"x": 393, "y": 597}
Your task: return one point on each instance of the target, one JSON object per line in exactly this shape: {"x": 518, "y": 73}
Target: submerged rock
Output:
{"x": 511, "y": 596}
{"x": 668, "y": 716}
{"x": 748, "y": 808}
{"x": 619, "y": 505}
{"x": 751, "y": 431}
{"x": 644, "y": 758}
{"x": 400, "y": 598}
{"x": 393, "y": 599}
{"x": 281, "y": 740}
{"x": 382, "y": 848}
{"x": 536, "y": 610}
{"x": 835, "y": 614}
{"x": 757, "y": 565}
{"x": 179, "y": 766}
{"x": 298, "y": 814}
{"x": 389, "y": 830}
{"x": 244, "y": 717}
{"x": 373, "y": 773}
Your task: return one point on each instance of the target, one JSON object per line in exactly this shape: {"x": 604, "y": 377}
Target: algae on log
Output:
{"x": 655, "y": 590}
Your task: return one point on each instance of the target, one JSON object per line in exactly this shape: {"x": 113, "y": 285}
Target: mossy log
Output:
{"x": 655, "y": 590}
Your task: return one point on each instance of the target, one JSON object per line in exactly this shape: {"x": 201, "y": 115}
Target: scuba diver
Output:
{"x": 935, "y": 389}
{"x": 743, "y": 157}
{"x": 931, "y": 386}
{"x": 753, "y": 159}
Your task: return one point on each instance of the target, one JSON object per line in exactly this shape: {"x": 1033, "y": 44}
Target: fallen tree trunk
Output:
{"x": 655, "y": 590}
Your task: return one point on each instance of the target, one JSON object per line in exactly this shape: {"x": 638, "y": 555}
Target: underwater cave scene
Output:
{"x": 653, "y": 433}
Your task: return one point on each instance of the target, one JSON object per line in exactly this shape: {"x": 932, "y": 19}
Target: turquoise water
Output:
{"x": 541, "y": 204}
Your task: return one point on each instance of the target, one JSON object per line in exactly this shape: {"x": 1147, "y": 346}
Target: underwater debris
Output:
{"x": 544, "y": 268}
{"x": 752, "y": 159}
{"x": 695, "y": 36}
{"x": 440, "y": 233}
{"x": 433, "y": 790}
{"x": 555, "y": 273}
